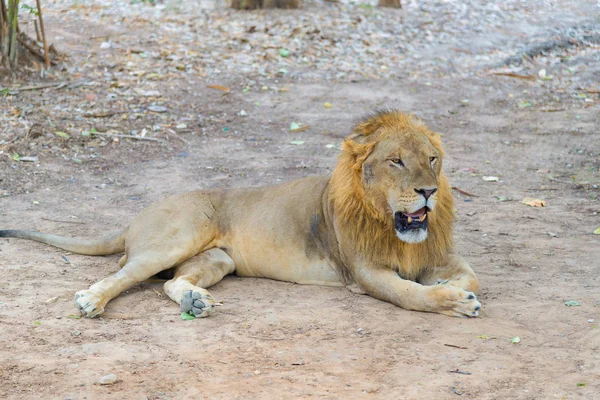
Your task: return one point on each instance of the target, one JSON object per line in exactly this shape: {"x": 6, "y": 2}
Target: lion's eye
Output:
{"x": 397, "y": 161}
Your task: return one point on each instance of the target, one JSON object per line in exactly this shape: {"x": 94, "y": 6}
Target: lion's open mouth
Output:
{"x": 409, "y": 221}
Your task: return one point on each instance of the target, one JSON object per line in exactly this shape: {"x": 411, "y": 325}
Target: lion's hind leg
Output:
{"x": 188, "y": 287}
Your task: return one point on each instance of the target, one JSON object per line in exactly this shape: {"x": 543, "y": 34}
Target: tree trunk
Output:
{"x": 390, "y": 3}
{"x": 254, "y": 4}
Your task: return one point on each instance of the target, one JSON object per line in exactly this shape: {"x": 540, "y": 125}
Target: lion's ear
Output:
{"x": 358, "y": 151}
{"x": 367, "y": 127}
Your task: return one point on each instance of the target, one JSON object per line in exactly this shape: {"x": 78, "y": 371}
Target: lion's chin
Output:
{"x": 412, "y": 236}
{"x": 411, "y": 227}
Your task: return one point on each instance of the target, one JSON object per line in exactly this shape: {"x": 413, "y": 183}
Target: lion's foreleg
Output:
{"x": 188, "y": 287}
{"x": 457, "y": 272}
{"x": 385, "y": 284}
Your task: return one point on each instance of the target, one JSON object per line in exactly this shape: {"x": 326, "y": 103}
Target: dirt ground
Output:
{"x": 141, "y": 70}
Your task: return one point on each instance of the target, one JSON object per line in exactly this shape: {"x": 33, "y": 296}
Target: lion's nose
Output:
{"x": 426, "y": 192}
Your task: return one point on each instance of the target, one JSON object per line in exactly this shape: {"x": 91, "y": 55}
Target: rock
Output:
{"x": 108, "y": 379}
{"x": 157, "y": 109}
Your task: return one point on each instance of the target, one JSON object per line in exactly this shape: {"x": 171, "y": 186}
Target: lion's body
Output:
{"x": 378, "y": 226}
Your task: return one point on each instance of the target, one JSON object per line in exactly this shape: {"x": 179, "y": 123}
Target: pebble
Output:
{"x": 157, "y": 109}
{"x": 108, "y": 379}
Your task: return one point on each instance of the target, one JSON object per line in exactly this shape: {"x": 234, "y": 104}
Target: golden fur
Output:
{"x": 348, "y": 229}
{"x": 370, "y": 228}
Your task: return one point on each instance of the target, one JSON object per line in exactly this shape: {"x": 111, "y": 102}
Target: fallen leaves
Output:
{"x": 533, "y": 202}
{"x": 572, "y": 303}
{"x": 186, "y": 317}
{"x": 597, "y": 231}
{"x": 515, "y": 340}
{"x": 219, "y": 87}
{"x": 62, "y": 134}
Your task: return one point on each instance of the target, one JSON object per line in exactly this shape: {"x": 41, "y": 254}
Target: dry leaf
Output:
{"x": 534, "y": 202}
{"x": 219, "y": 87}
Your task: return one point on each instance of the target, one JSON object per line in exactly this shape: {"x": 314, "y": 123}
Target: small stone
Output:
{"x": 157, "y": 109}
{"x": 243, "y": 113}
{"x": 108, "y": 379}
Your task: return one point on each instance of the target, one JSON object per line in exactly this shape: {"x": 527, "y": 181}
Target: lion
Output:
{"x": 379, "y": 224}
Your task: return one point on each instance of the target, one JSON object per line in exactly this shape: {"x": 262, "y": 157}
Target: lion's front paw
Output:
{"x": 453, "y": 301}
{"x": 198, "y": 304}
{"x": 88, "y": 303}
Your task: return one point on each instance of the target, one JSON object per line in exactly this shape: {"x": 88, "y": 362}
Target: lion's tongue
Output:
{"x": 417, "y": 214}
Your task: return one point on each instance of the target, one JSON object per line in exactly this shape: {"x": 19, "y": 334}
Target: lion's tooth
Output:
{"x": 422, "y": 217}
{"x": 409, "y": 220}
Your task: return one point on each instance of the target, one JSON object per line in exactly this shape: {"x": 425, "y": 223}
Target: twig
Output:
{"x": 457, "y": 371}
{"x": 511, "y": 75}
{"x": 577, "y": 330}
{"x": 63, "y": 221}
{"x": 37, "y": 31}
{"x": 46, "y": 55}
{"x": 455, "y": 346}
{"x": 37, "y": 87}
{"x": 265, "y": 338}
{"x": 126, "y": 136}
{"x": 105, "y": 114}
{"x": 172, "y": 132}
{"x": 464, "y": 192}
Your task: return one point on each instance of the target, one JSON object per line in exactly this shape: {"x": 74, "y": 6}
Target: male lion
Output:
{"x": 380, "y": 224}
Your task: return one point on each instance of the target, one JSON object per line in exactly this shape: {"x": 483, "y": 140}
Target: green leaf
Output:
{"x": 37, "y": 323}
{"x": 580, "y": 384}
{"x": 297, "y": 142}
{"x": 186, "y": 317}
{"x": 572, "y": 303}
{"x": 294, "y": 126}
{"x": 515, "y": 340}
{"x": 72, "y": 316}
{"x": 4, "y": 92}
{"x": 524, "y": 104}
{"x": 85, "y": 133}
{"x": 16, "y": 157}
{"x": 284, "y": 52}
{"x": 62, "y": 134}
{"x": 597, "y": 231}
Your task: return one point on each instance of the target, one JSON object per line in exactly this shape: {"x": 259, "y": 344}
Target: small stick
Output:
{"x": 36, "y": 87}
{"x": 46, "y": 55}
{"x": 104, "y": 114}
{"x": 457, "y": 371}
{"x": 577, "y": 330}
{"x": 37, "y": 30}
{"x": 266, "y": 338}
{"x": 464, "y": 192}
{"x": 126, "y": 136}
{"x": 455, "y": 346}
{"x": 63, "y": 221}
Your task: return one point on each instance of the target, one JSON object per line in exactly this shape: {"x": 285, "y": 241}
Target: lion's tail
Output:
{"x": 110, "y": 244}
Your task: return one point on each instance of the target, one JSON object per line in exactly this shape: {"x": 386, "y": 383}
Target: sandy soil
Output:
{"x": 273, "y": 340}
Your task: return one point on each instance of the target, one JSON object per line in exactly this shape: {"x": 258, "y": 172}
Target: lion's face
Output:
{"x": 400, "y": 176}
